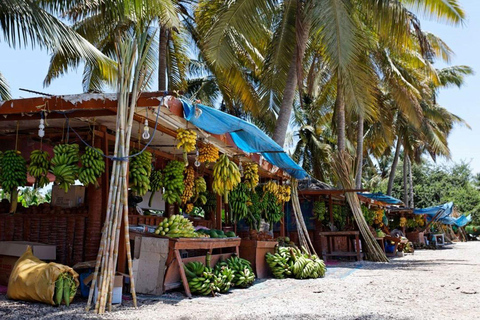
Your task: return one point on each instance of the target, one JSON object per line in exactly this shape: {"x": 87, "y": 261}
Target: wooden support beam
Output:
{"x": 330, "y": 208}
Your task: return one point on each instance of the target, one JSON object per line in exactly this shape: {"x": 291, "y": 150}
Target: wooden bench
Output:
{"x": 328, "y": 238}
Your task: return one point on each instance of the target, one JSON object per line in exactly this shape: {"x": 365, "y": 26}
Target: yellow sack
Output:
{"x": 34, "y": 280}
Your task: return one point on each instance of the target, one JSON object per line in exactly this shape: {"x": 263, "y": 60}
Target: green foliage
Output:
{"x": 368, "y": 214}
{"x": 437, "y": 184}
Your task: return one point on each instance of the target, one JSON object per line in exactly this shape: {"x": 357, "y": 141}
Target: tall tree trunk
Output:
{"x": 410, "y": 179}
{"x": 295, "y": 76}
{"x": 340, "y": 114}
{"x": 358, "y": 177}
{"x": 405, "y": 179}
{"x": 162, "y": 59}
{"x": 391, "y": 177}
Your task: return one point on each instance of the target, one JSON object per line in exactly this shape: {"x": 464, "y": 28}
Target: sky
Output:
{"x": 26, "y": 68}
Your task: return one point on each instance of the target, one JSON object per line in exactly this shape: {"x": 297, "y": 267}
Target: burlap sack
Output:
{"x": 34, "y": 280}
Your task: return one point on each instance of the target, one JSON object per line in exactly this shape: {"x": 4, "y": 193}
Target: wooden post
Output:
{"x": 330, "y": 207}
{"x": 218, "y": 218}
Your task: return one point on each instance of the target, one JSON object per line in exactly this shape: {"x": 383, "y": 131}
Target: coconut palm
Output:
{"x": 27, "y": 22}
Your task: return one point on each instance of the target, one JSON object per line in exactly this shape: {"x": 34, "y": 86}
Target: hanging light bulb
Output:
{"x": 197, "y": 163}
{"x": 41, "y": 128}
{"x": 146, "y": 133}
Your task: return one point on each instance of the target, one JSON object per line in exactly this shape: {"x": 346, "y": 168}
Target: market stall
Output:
{"x": 188, "y": 165}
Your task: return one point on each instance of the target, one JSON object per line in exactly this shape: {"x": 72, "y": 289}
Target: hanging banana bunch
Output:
{"x": 139, "y": 172}
{"x": 173, "y": 182}
{"x": 14, "y": 171}
{"x": 225, "y": 176}
{"x": 187, "y": 140}
{"x": 156, "y": 183}
{"x": 38, "y": 168}
{"x": 208, "y": 153}
{"x": 200, "y": 190}
{"x": 65, "y": 165}
{"x": 93, "y": 166}
{"x": 250, "y": 175}
{"x": 239, "y": 201}
{"x": 189, "y": 183}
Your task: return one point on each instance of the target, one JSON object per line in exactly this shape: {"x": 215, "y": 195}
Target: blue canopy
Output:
{"x": 459, "y": 222}
{"x": 432, "y": 211}
{"x": 378, "y": 196}
{"x": 246, "y": 136}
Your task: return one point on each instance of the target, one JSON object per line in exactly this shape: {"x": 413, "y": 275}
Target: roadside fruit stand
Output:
{"x": 194, "y": 174}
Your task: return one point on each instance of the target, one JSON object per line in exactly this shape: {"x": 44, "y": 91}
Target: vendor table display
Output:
{"x": 330, "y": 249}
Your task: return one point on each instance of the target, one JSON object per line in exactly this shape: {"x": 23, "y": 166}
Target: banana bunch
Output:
{"x": 250, "y": 175}
{"x": 238, "y": 202}
{"x": 223, "y": 276}
{"x": 225, "y": 176}
{"x": 378, "y": 218}
{"x": 419, "y": 220}
{"x": 189, "y": 183}
{"x": 281, "y": 263}
{"x": 176, "y": 227}
{"x": 186, "y": 140}
{"x": 156, "y": 183}
{"x": 14, "y": 171}
{"x": 211, "y": 203}
{"x": 306, "y": 266}
{"x": 244, "y": 276}
{"x": 199, "y": 191}
{"x": 93, "y": 166}
{"x": 272, "y": 209}
{"x": 208, "y": 153}
{"x": 284, "y": 193}
{"x": 140, "y": 168}
{"x": 201, "y": 278}
{"x": 65, "y": 165}
{"x": 189, "y": 208}
{"x": 403, "y": 221}
{"x": 65, "y": 289}
{"x": 39, "y": 166}
{"x": 173, "y": 182}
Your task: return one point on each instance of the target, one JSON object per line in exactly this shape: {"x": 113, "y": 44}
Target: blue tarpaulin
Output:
{"x": 246, "y": 136}
{"x": 445, "y": 210}
{"x": 432, "y": 211}
{"x": 378, "y": 196}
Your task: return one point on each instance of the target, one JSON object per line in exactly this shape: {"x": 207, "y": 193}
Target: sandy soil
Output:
{"x": 431, "y": 284}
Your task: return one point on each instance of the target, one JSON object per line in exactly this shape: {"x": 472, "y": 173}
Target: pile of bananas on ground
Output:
{"x": 93, "y": 166}
{"x": 65, "y": 289}
{"x": 293, "y": 262}
{"x": 176, "y": 227}
{"x": 173, "y": 182}
{"x": 65, "y": 165}
{"x": 244, "y": 276}
{"x": 208, "y": 153}
{"x": 225, "y": 176}
{"x": 186, "y": 140}
{"x": 238, "y": 201}
{"x": 250, "y": 175}
{"x": 156, "y": 183}
{"x": 203, "y": 280}
{"x": 140, "y": 169}
{"x": 281, "y": 193}
{"x": 39, "y": 166}
{"x": 13, "y": 172}
{"x": 189, "y": 183}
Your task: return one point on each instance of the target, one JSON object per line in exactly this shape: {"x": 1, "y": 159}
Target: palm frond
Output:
{"x": 4, "y": 88}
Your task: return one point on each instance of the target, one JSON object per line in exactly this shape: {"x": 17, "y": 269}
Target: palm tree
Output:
{"x": 27, "y": 22}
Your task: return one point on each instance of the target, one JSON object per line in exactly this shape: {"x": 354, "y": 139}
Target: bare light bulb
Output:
{"x": 41, "y": 128}
{"x": 146, "y": 133}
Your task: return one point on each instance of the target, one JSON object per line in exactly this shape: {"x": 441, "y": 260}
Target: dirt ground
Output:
{"x": 431, "y": 284}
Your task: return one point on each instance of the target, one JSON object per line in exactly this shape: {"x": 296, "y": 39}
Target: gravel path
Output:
{"x": 441, "y": 284}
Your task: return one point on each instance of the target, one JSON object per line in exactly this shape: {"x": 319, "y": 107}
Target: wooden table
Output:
{"x": 175, "y": 262}
{"x": 330, "y": 251}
